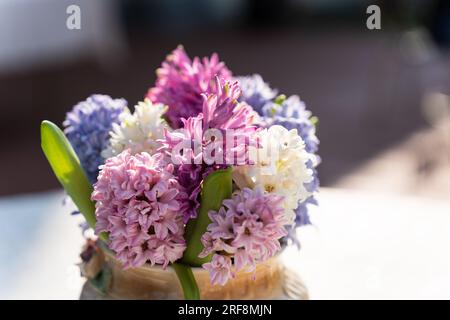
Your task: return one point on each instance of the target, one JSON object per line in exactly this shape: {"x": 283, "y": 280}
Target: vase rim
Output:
{"x": 108, "y": 252}
{"x": 111, "y": 255}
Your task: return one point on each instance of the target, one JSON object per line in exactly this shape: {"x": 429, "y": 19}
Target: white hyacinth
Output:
{"x": 279, "y": 166}
{"x": 138, "y": 131}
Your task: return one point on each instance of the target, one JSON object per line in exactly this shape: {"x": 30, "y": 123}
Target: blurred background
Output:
{"x": 381, "y": 96}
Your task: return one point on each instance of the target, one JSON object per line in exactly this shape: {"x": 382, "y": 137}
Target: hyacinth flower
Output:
{"x": 138, "y": 201}
{"x": 256, "y": 92}
{"x": 181, "y": 82}
{"x": 138, "y": 131}
{"x": 221, "y": 111}
{"x": 87, "y": 127}
{"x": 245, "y": 231}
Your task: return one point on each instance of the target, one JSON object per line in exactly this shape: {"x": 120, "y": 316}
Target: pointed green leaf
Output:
{"x": 67, "y": 168}
{"x": 216, "y": 187}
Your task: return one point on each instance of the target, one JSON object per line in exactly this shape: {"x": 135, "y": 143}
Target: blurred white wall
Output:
{"x": 34, "y": 32}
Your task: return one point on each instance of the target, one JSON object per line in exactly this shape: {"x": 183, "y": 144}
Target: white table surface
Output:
{"x": 362, "y": 246}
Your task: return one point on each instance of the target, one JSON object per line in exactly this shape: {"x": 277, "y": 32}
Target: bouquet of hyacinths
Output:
{"x": 210, "y": 170}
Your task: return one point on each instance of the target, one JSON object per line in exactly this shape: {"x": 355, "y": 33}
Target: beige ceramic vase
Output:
{"x": 106, "y": 279}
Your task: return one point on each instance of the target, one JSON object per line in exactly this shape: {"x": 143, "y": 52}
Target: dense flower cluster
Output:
{"x": 138, "y": 131}
{"x": 246, "y": 230}
{"x": 139, "y": 203}
{"x": 221, "y": 112}
{"x": 87, "y": 127}
{"x": 181, "y": 82}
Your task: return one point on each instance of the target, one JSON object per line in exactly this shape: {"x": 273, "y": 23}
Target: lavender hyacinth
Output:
{"x": 291, "y": 113}
{"x": 87, "y": 127}
{"x": 247, "y": 228}
{"x": 255, "y": 91}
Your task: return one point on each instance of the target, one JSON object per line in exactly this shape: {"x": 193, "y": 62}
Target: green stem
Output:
{"x": 187, "y": 280}
{"x": 216, "y": 187}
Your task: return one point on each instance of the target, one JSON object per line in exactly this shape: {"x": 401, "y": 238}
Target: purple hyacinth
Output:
{"x": 181, "y": 82}
{"x": 220, "y": 111}
{"x": 255, "y": 91}
{"x": 87, "y": 128}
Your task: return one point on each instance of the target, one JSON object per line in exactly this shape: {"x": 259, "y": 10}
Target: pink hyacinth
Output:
{"x": 139, "y": 203}
{"x": 220, "y": 269}
{"x": 181, "y": 81}
{"x": 220, "y": 111}
{"x": 248, "y": 228}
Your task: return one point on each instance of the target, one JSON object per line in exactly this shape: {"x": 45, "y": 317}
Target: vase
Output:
{"x": 106, "y": 279}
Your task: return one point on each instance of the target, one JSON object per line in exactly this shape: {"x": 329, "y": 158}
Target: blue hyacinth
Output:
{"x": 291, "y": 113}
{"x": 255, "y": 91}
{"x": 87, "y": 128}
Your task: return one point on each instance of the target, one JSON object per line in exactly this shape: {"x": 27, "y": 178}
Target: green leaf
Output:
{"x": 187, "y": 280}
{"x": 216, "y": 187}
{"x": 66, "y": 166}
